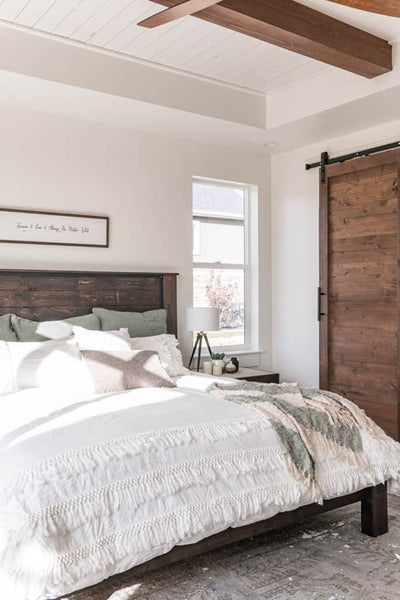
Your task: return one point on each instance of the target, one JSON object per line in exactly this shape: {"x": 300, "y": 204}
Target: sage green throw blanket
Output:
{"x": 314, "y": 426}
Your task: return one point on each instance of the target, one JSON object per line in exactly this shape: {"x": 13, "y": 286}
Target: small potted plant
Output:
{"x": 218, "y": 359}
{"x": 218, "y": 362}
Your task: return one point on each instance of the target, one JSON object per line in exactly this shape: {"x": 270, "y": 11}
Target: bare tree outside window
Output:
{"x": 226, "y": 297}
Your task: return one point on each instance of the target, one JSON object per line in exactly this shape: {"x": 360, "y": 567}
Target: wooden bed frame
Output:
{"x": 44, "y": 295}
{"x": 49, "y": 295}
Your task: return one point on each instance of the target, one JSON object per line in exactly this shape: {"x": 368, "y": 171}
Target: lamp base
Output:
{"x": 198, "y": 344}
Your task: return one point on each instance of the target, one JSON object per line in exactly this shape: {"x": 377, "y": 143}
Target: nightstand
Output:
{"x": 254, "y": 375}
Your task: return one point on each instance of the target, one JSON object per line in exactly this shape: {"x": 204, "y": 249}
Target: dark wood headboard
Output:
{"x": 47, "y": 295}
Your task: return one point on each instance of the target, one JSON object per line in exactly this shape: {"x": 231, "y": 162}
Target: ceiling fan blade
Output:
{"x": 381, "y": 7}
{"x": 176, "y": 12}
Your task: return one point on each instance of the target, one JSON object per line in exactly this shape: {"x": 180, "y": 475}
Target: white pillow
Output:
{"x": 54, "y": 363}
{"x": 108, "y": 341}
{"x": 167, "y": 347}
{"x": 7, "y": 384}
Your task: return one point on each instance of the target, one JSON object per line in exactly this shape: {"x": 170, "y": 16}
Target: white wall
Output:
{"x": 142, "y": 181}
{"x": 294, "y": 225}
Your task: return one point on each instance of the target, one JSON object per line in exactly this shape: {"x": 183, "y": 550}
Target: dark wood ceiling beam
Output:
{"x": 381, "y": 7}
{"x": 188, "y": 7}
{"x": 290, "y": 25}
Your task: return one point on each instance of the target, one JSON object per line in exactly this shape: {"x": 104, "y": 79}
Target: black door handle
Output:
{"x": 320, "y": 314}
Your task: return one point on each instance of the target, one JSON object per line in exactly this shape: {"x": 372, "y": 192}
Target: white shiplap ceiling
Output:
{"x": 190, "y": 45}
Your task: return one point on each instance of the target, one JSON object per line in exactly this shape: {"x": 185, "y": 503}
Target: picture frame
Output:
{"x": 18, "y": 226}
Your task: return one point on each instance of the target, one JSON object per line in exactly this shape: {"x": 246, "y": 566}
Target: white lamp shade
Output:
{"x": 202, "y": 319}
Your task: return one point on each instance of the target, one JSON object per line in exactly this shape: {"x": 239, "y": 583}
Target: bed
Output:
{"x": 97, "y": 485}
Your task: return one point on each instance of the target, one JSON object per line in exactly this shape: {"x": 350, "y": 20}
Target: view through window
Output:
{"x": 219, "y": 258}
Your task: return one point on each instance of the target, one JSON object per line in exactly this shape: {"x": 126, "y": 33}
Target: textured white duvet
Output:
{"x": 93, "y": 486}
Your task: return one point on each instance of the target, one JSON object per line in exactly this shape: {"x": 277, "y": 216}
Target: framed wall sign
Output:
{"x": 60, "y": 229}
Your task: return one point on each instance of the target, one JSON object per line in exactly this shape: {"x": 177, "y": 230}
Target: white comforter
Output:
{"x": 93, "y": 486}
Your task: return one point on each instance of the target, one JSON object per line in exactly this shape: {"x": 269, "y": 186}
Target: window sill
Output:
{"x": 234, "y": 352}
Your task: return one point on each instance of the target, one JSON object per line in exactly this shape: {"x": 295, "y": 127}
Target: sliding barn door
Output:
{"x": 359, "y": 275}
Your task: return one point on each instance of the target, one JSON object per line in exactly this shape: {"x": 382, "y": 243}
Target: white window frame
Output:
{"x": 245, "y": 267}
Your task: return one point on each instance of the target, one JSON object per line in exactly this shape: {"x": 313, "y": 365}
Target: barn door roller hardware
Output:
{"x": 325, "y": 160}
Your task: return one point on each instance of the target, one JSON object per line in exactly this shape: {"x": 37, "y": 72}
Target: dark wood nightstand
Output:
{"x": 254, "y": 375}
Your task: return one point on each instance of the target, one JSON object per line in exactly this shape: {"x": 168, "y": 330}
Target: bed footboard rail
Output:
{"x": 374, "y": 522}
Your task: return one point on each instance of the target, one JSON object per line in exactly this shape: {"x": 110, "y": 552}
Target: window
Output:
{"x": 220, "y": 259}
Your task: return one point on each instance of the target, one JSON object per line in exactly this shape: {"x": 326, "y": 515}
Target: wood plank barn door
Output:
{"x": 359, "y": 279}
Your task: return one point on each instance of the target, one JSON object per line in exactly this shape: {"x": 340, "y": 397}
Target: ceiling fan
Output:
{"x": 190, "y": 7}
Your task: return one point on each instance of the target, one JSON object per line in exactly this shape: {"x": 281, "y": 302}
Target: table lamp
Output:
{"x": 201, "y": 320}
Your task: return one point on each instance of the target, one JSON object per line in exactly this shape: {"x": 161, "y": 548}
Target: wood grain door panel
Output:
{"x": 346, "y": 199}
{"x": 363, "y": 334}
{"x": 359, "y": 275}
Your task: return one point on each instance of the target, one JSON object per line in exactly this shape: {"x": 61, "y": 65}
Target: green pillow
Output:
{"x": 6, "y": 332}
{"x": 151, "y": 322}
{"x": 40, "y": 331}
